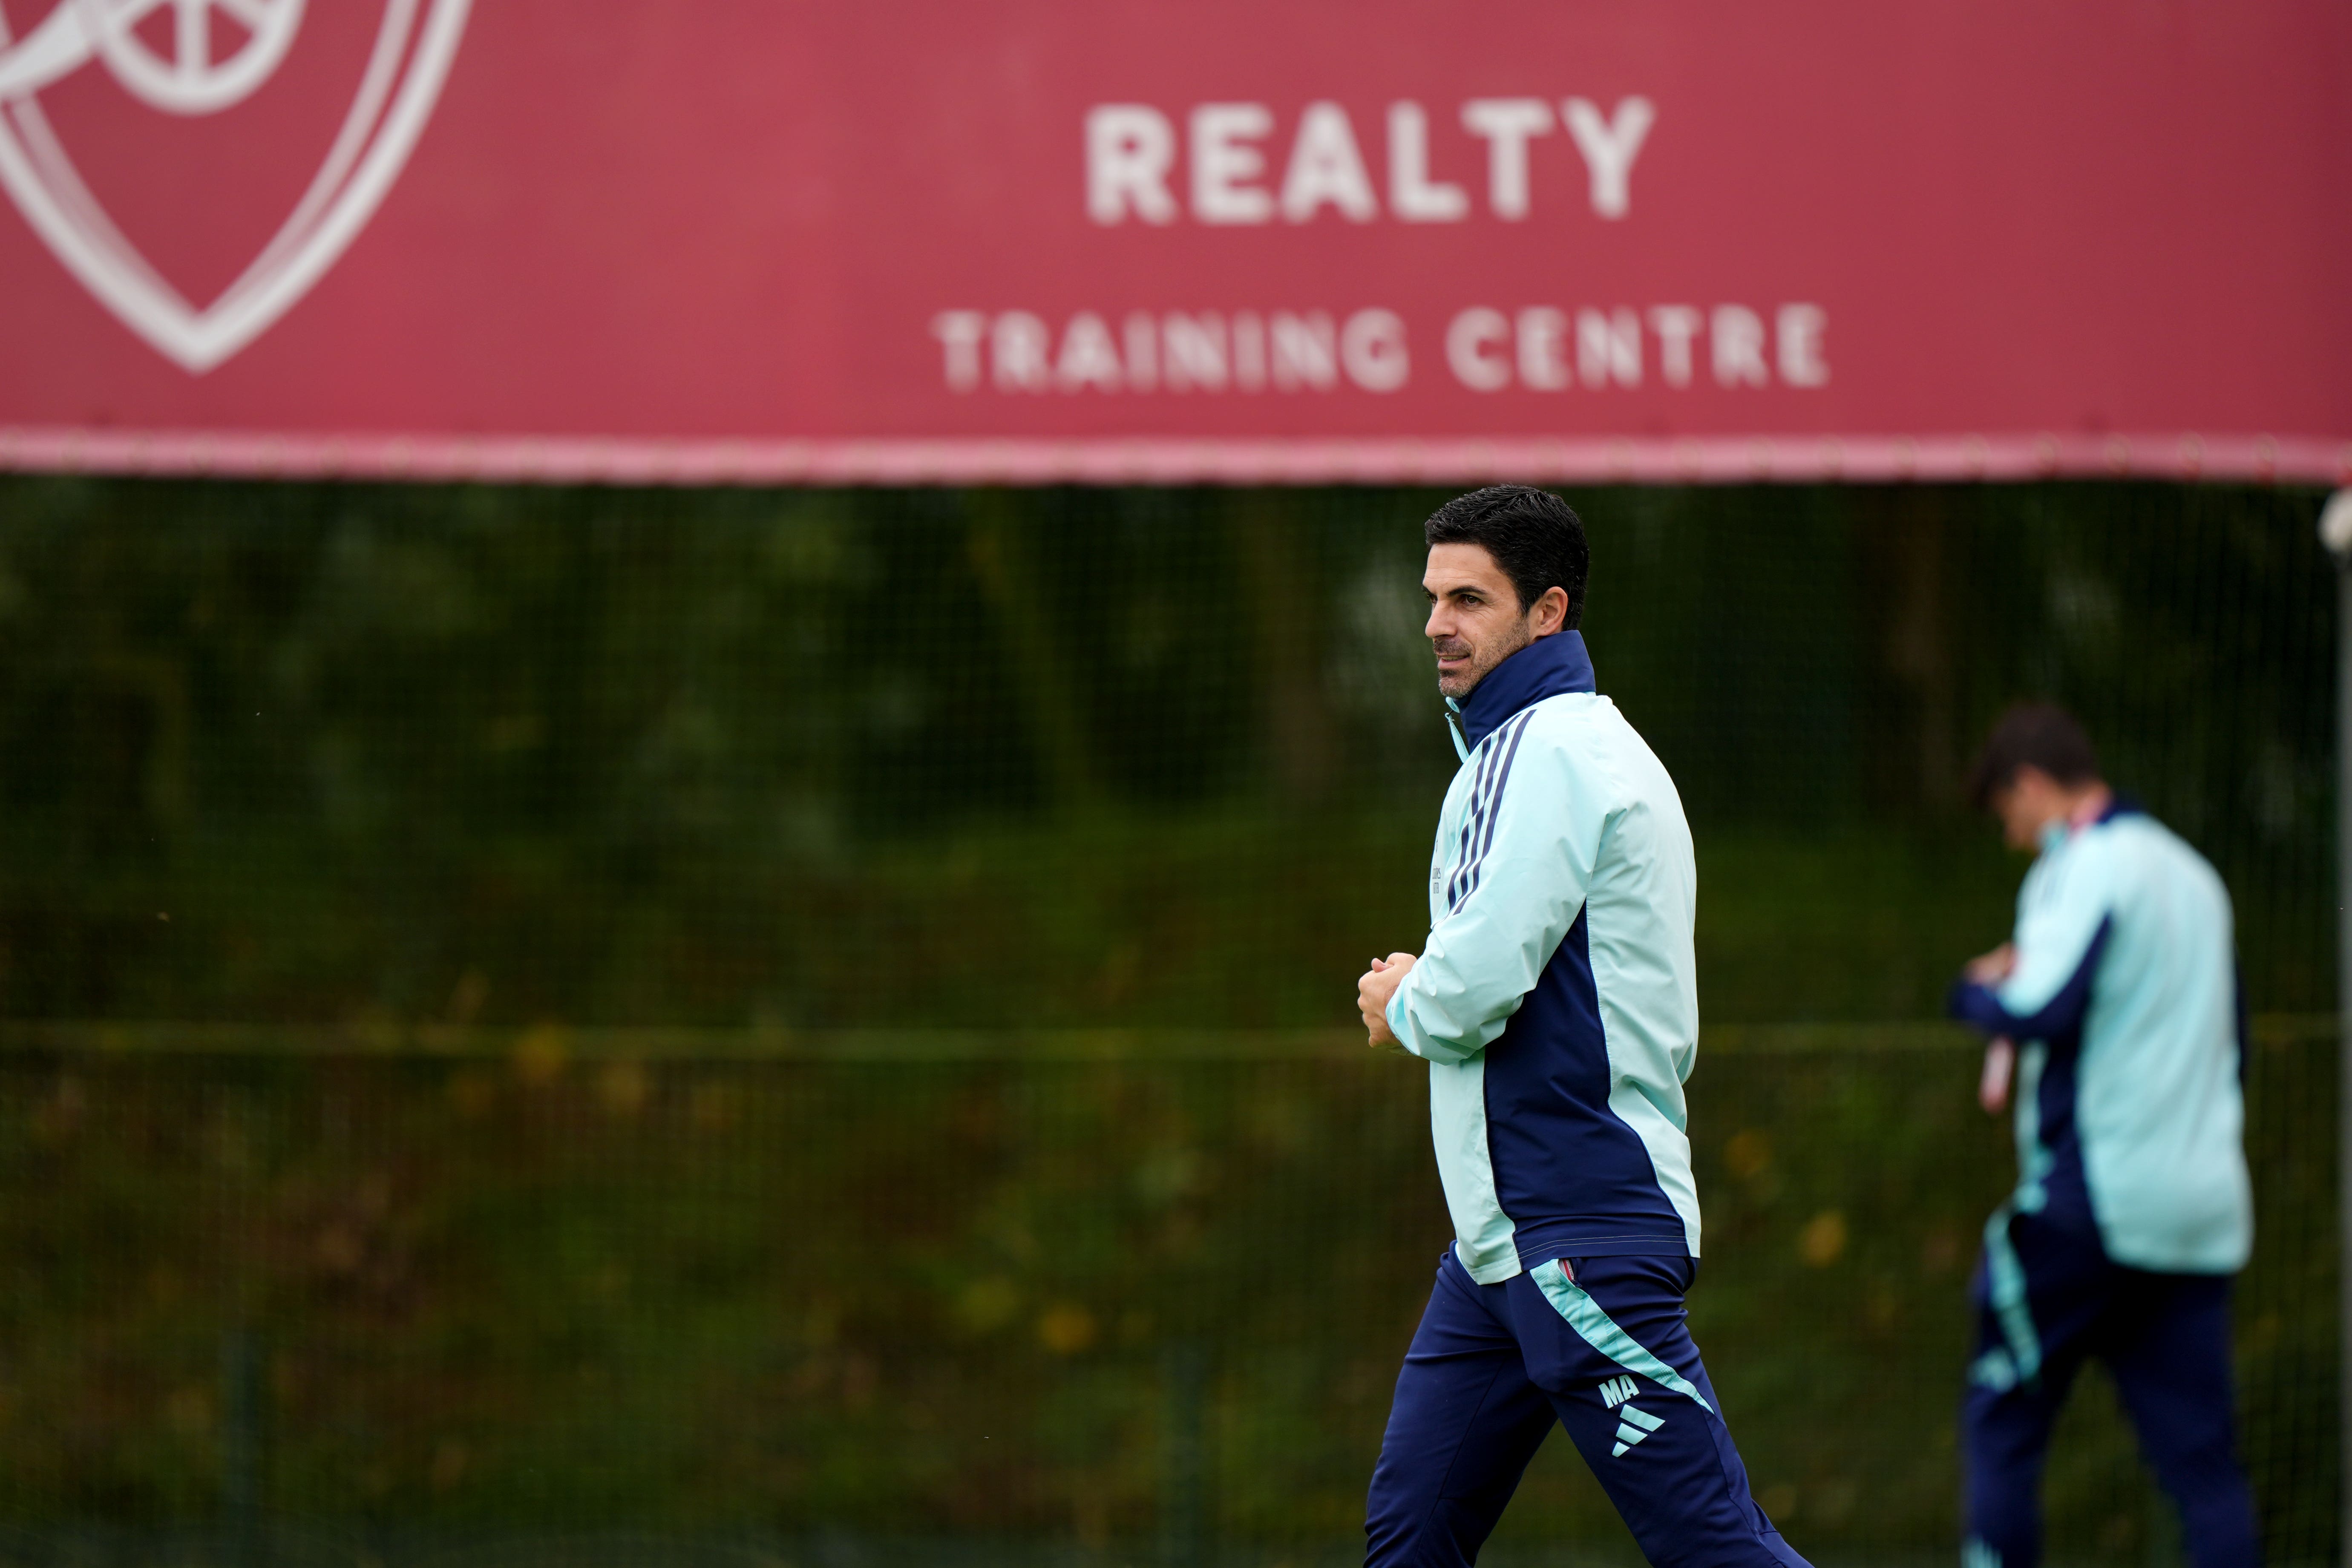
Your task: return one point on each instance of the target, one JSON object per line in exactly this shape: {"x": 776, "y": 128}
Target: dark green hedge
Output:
{"x": 328, "y": 753}
{"x": 570, "y": 1286}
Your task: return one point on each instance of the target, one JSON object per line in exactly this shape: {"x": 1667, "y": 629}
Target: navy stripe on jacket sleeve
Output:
{"x": 1471, "y": 820}
{"x": 2054, "y": 1019}
{"x": 1477, "y": 869}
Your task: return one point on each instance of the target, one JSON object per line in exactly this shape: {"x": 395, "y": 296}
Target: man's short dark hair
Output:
{"x": 1533, "y": 536}
{"x": 2032, "y": 735}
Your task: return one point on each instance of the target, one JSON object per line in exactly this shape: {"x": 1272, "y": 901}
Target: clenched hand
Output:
{"x": 1373, "y": 991}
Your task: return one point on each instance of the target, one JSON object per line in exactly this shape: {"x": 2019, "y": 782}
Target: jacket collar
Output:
{"x": 1547, "y": 667}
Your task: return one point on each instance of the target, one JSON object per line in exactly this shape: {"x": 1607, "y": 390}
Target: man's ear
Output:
{"x": 1549, "y": 613}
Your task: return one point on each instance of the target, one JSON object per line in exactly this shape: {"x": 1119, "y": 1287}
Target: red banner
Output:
{"x": 752, "y": 239}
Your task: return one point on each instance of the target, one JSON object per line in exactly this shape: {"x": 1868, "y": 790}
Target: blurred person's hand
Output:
{"x": 1992, "y": 968}
{"x": 1374, "y": 989}
{"x": 1999, "y": 1064}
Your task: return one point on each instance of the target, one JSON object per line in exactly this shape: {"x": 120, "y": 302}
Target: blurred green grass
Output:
{"x": 532, "y": 1282}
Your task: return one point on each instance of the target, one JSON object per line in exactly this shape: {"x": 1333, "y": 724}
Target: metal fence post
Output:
{"x": 1184, "y": 1481}
{"x": 2335, "y": 532}
{"x": 244, "y": 1445}
{"x": 244, "y": 1361}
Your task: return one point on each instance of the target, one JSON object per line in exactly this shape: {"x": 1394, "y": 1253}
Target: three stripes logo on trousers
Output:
{"x": 1633, "y": 1424}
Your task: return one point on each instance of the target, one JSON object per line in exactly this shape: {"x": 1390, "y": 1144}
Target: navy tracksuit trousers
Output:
{"x": 1610, "y": 1357}
{"x": 2047, "y": 1299}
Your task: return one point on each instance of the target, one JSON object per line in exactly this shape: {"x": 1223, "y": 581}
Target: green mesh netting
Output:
{"x": 808, "y": 1027}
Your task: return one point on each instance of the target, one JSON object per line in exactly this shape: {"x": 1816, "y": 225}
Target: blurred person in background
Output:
{"x": 1557, "y": 1003}
{"x": 2115, "y": 1008}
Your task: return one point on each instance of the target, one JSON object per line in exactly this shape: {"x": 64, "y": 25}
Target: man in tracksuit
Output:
{"x": 2117, "y": 1005}
{"x": 1556, "y": 1005}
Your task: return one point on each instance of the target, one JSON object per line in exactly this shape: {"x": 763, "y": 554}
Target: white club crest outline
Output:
{"x": 397, "y": 92}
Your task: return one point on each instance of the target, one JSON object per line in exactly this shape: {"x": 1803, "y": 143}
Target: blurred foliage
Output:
{"x": 509, "y": 854}
{"x": 549, "y": 1285}
{"x": 334, "y": 753}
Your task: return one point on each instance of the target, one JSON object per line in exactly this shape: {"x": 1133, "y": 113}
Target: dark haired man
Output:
{"x": 2133, "y": 1207}
{"x": 1556, "y": 1002}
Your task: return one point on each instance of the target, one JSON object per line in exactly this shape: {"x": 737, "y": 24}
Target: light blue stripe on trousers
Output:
{"x": 1599, "y": 1330}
